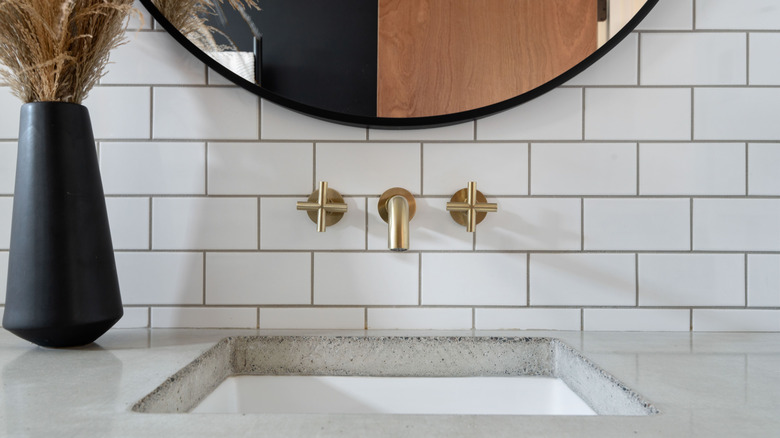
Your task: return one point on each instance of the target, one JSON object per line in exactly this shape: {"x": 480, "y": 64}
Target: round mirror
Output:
{"x": 399, "y": 63}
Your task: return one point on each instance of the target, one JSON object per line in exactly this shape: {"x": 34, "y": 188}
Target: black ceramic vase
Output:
{"x": 62, "y": 282}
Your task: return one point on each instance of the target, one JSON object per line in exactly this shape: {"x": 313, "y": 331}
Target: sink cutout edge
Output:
{"x": 394, "y": 356}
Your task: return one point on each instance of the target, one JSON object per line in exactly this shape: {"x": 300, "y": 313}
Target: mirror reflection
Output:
{"x": 399, "y": 58}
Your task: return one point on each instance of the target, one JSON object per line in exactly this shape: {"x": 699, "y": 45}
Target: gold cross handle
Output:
{"x": 469, "y": 207}
{"x": 325, "y": 207}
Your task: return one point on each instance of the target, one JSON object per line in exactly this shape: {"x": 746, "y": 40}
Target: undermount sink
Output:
{"x": 393, "y": 375}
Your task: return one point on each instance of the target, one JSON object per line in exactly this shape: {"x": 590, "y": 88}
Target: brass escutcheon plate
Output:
{"x": 462, "y": 217}
{"x": 334, "y": 197}
{"x": 396, "y": 191}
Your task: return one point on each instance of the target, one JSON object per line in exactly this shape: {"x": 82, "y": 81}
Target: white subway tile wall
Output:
{"x": 643, "y": 194}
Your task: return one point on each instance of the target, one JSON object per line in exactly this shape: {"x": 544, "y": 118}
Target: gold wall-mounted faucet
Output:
{"x": 397, "y": 207}
{"x": 325, "y": 207}
{"x": 469, "y": 207}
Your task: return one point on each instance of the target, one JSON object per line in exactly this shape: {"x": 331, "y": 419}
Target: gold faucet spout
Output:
{"x": 397, "y": 207}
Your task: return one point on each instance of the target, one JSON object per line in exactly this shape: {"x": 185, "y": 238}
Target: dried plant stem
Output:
{"x": 57, "y": 50}
{"x": 190, "y": 18}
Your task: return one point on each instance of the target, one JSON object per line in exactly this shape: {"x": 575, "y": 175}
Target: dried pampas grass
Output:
{"x": 57, "y": 50}
{"x": 190, "y": 18}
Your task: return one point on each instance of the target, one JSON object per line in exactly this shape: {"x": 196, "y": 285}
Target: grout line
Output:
{"x": 690, "y": 318}
{"x": 582, "y": 320}
{"x": 365, "y": 318}
{"x": 639, "y": 58}
{"x": 528, "y": 280}
{"x": 314, "y": 165}
{"x": 636, "y": 278}
{"x": 473, "y": 318}
{"x": 258, "y": 317}
{"x": 693, "y": 15}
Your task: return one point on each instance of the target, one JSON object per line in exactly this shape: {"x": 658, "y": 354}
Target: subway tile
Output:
{"x": 150, "y": 278}
{"x": 691, "y": 280}
{"x": 10, "y": 108}
{"x": 645, "y": 320}
{"x": 736, "y": 113}
{"x": 419, "y": 319}
{"x": 532, "y": 224}
{"x": 279, "y": 123}
{"x": 6, "y": 212}
{"x": 313, "y": 318}
{"x": 763, "y": 162}
{"x": 258, "y": 278}
{"x": 617, "y": 67}
{"x": 555, "y": 116}
{"x": 215, "y": 78}
{"x": 583, "y": 169}
{"x": 474, "y": 279}
{"x": 369, "y": 168}
{"x": 134, "y": 317}
{"x": 736, "y": 224}
{"x": 366, "y": 278}
{"x": 226, "y": 113}
{"x": 763, "y": 280}
{"x": 743, "y": 14}
{"x": 119, "y": 112}
{"x": 260, "y": 168}
{"x": 692, "y": 169}
{"x": 637, "y": 114}
{"x": 129, "y": 222}
{"x": 203, "y": 317}
{"x": 694, "y": 59}
{"x": 3, "y": 275}
{"x": 284, "y": 227}
{"x": 461, "y": 131}
{"x": 153, "y": 168}
{"x": 582, "y": 280}
{"x": 7, "y": 167}
{"x": 204, "y": 223}
{"x": 634, "y": 225}
{"x": 527, "y": 319}
{"x": 734, "y": 320}
{"x": 498, "y": 168}
{"x": 153, "y": 58}
{"x": 669, "y": 15}
{"x": 764, "y": 63}
{"x": 431, "y": 228}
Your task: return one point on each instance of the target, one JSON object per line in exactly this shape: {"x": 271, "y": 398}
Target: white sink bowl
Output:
{"x": 393, "y": 375}
{"x": 393, "y": 395}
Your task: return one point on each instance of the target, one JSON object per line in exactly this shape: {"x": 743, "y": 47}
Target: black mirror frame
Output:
{"x": 409, "y": 122}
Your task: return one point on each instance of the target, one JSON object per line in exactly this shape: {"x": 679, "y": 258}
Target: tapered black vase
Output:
{"x": 62, "y": 282}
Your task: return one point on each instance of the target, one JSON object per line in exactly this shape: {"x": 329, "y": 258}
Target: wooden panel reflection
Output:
{"x": 445, "y": 56}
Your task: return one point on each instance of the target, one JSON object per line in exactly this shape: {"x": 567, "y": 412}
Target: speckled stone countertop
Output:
{"x": 708, "y": 384}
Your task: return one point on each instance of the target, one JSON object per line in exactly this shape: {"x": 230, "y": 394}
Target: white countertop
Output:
{"x": 704, "y": 384}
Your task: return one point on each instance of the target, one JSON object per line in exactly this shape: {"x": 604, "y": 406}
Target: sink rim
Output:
{"x": 424, "y": 356}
